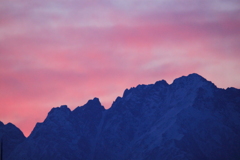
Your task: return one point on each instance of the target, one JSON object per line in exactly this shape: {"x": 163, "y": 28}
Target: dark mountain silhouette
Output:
{"x": 10, "y": 137}
{"x": 188, "y": 119}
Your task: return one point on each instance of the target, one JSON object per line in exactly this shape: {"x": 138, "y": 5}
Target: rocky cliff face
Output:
{"x": 188, "y": 119}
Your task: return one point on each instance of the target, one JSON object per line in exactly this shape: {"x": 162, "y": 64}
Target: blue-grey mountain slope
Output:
{"x": 10, "y": 137}
{"x": 188, "y": 119}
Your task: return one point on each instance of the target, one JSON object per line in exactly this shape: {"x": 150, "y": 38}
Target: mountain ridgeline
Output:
{"x": 190, "y": 119}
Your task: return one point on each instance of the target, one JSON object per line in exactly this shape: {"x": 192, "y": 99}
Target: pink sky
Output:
{"x": 69, "y": 51}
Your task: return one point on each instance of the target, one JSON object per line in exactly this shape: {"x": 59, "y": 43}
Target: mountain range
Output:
{"x": 190, "y": 119}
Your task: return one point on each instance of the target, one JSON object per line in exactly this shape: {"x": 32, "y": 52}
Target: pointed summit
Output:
{"x": 162, "y": 82}
{"x": 192, "y": 80}
{"x": 58, "y": 112}
{"x": 92, "y": 105}
{"x": 10, "y": 125}
{"x": 195, "y": 76}
{"x": 190, "y": 77}
{"x": 62, "y": 109}
{"x": 10, "y": 137}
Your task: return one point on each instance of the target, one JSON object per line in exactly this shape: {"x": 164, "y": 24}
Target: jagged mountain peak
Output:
{"x": 195, "y": 75}
{"x": 58, "y": 113}
{"x": 10, "y": 137}
{"x": 188, "y": 119}
{"x": 190, "y": 78}
{"x": 180, "y": 88}
{"x": 193, "y": 80}
{"x": 162, "y": 83}
{"x": 92, "y": 105}
{"x": 10, "y": 125}
{"x": 62, "y": 108}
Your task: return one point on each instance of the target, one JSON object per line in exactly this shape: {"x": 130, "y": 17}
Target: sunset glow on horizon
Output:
{"x": 67, "y": 52}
